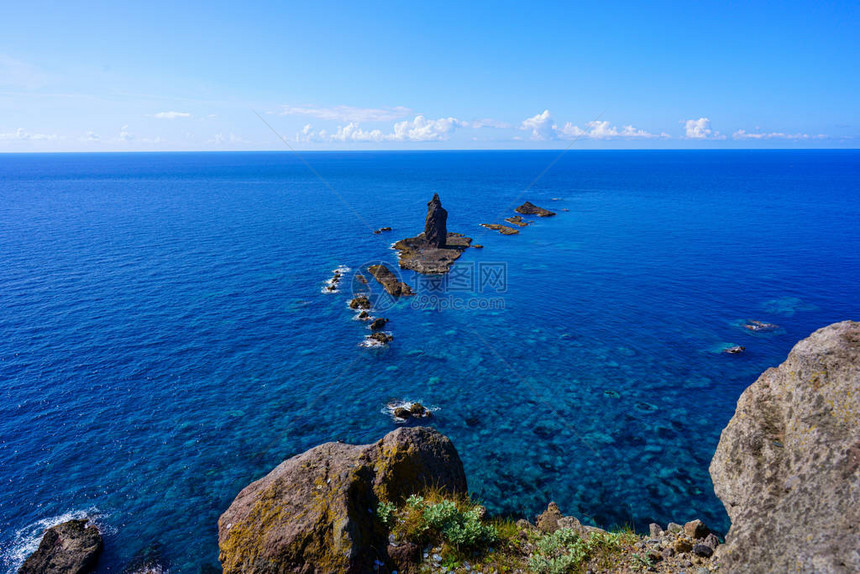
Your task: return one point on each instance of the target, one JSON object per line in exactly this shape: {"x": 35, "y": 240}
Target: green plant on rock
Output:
{"x": 386, "y": 511}
{"x": 559, "y": 552}
{"x": 565, "y": 551}
{"x": 460, "y": 528}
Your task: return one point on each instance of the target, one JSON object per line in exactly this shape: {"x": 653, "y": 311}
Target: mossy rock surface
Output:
{"x": 314, "y": 512}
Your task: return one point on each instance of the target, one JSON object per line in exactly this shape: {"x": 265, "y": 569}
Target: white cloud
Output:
{"x": 352, "y": 132}
{"x": 23, "y": 135}
{"x": 348, "y": 113}
{"x": 91, "y": 136}
{"x": 541, "y": 126}
{"x": 419, "y": 129}
{"x": 125, "y": 135}
{"x": 744, "y": 135}
{"x": 698, "y": 129}
{"x": 171, "y": 115}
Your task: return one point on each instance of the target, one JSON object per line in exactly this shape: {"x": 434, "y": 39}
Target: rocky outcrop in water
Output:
{"x": 314, "y": 513}
{"x": 503, "y": 229}
{"x": 389, "y": 281}
{"x": 787, "y": 466}
{"x": 436, "y": 223}
{"x": 72, "y": 547}
{"x": 435, "y": 250}
{"x": 528, "y": 208}
{"x": 517, "y": 220}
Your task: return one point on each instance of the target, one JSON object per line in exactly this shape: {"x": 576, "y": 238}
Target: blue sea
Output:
{"x": 166, "y": 337}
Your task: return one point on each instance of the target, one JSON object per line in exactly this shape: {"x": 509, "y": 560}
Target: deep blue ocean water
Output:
{"x": 164, "y": 339}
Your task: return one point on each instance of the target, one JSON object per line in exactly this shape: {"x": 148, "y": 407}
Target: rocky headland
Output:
{"x": 787, "y": 469}
{"x": 435, "y": 250}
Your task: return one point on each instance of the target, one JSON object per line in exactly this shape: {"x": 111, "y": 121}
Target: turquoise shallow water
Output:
{"x": 164, "y": 339}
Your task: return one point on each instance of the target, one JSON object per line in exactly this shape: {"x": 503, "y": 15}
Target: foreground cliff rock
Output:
{"x": 72, "y": 547}
{"x": 787, "y": 467}
{"x": 435, "y": 250}
{"x": 314, "y": 512}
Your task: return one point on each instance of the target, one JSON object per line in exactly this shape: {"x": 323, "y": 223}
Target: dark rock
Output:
{"x": 503, "y": 229}
{"x": 735, "y": 349}
{"x": 402, "y": 413}
{"x": 381, "y": 337}
{"x": 703, "y": 551}
{"x": 435, "y": 224}
{"x": 378, "y": 324}
{"x": 682, "y": 545}
{"x": 72, "y": 547}
{"x": 360, "y": 302}
{"x": 760, "y": 326}
{"x": 405, "y": 557}
{"x": 389, "y": 281}
{"x": 787, "y": 466}
{"x": 382, "y": 230}
{"x": 418, "y": 410}
{"x": 361, "y": 278}
{"x": 696, "y": 529}
{"x": 477, "y": 246}
{"x": 517, "y": 220}
{"x": 528, "y": 208}
{"x": 311, "y": 513}
{"x": 364, "y": 316}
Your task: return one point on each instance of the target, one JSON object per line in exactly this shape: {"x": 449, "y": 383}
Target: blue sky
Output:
{"x": 117, "y": 76}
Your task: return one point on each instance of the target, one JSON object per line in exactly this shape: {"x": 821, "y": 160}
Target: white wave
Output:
{"x": 342, "y": 269}
{"x": 26, "y": 540}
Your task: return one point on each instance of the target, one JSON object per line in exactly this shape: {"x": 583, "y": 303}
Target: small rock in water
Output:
{"x": 760, "y": 326}
{"x": 72, "y": 546}
{"x": 378, "y": 324}
{"x": 735, "y": 349}
{"x": 380, "y": 337}
{"x": 402, "y": 413}
{"x": 360, "y": 302}
{"x": 528, "y": 208}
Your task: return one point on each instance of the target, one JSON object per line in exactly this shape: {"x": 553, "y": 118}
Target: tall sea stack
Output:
{"x": 435, "y": 227}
